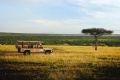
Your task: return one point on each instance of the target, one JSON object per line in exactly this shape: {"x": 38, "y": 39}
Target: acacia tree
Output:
{"x": 96, "y": 32}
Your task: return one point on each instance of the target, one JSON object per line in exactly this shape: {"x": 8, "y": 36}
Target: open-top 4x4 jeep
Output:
{"x": 27, "y": 47}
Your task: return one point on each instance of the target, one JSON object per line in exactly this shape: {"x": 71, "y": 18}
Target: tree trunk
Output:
{"x": 96, "y": 42}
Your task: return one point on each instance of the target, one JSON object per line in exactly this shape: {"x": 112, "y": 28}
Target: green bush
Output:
{"x": 54, "y": 39}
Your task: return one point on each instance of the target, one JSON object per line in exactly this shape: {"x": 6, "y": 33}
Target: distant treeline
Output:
{"x": 59, "y": 39}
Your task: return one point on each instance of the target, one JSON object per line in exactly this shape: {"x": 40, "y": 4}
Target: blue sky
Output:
{"x": 58, "y": 16}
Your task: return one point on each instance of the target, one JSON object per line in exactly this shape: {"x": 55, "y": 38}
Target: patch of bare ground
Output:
{"x": 10, "y": 54}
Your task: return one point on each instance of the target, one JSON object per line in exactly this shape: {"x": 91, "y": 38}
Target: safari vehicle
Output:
{"x": 28, "y": 47}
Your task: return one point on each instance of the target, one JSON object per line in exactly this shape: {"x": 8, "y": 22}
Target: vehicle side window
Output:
{"x": 41, "y": 47}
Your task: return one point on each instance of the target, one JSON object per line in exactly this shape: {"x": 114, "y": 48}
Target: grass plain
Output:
{"x": 66, "y": 63}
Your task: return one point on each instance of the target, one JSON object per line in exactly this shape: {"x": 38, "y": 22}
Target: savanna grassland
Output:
{"x": 66, "y": 63}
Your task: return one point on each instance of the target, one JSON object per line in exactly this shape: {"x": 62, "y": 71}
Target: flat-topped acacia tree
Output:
{"x": 96, "y": 32}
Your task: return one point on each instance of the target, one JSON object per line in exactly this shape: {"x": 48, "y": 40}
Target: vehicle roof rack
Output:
{"x": 30, "y": 41}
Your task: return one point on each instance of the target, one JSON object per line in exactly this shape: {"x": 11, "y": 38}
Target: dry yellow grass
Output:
{"x": 7, "y": 48}
{"x": 69, "y": 62}
{"x": 68, "y": 55}
{"x": 71, "y": 49}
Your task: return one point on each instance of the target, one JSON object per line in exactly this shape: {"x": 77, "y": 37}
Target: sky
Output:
{"x": 59, "y": 16}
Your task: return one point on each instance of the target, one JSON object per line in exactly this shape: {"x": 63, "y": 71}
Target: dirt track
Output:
{"x": 10, "y": 54}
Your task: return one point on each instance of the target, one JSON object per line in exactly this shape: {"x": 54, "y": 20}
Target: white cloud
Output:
{"x": 99, "y": 14}
{"x": 80, "y": 14}
{"x": 34, "y": 2}
{"x": 57, "y": 22}
{"x": 39, "y": 1}
{"x": 106, "y": 2}
{"x": 46, "y": 22}
{"x": 91, "y": 8}
{"x": 98, "y": 8}
{"x": 101, "y": 2}
{"x": 95, "y": 2}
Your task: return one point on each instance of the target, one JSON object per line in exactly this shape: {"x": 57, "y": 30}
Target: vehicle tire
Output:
{"x": 47, "y": 52}
{"x": 26, "y": 53}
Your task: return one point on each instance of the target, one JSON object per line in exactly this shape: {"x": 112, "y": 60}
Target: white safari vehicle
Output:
{"x": 28, "y": 47}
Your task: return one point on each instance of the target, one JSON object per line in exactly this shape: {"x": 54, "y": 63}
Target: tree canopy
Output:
{"x": 97, "y": 31}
